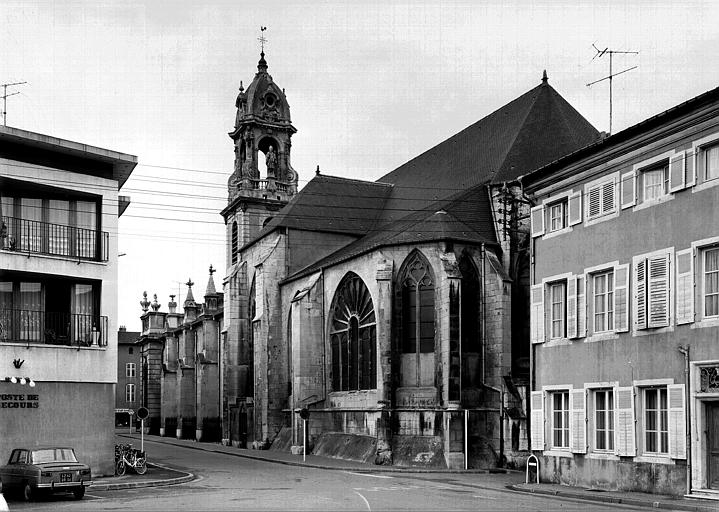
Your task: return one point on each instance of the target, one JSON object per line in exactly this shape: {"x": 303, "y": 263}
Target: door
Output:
{"x": 713, "y": 445}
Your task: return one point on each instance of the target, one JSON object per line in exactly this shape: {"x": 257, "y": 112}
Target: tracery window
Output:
{"x": 353, "y": 337}
{"x": 235, "y": 242}
{"x": 417, "y": 307}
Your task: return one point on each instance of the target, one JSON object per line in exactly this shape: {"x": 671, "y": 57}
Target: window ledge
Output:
{"x": 706, "y": 322}
{"x": 601, "y": 218}
{"x": 602, "y": 456}
{"x": 653, "y": 202}
{"x": 558, "y": 453}
{"x": 602, "y": 337}
{"x": 552, "y": 234}
{"x": 653, "y": 330}
{"x": 654, "y": 459}
{"x": 557, "y": 342}
{"x": 50, "y": 345}
{"x": 705, "y": 185}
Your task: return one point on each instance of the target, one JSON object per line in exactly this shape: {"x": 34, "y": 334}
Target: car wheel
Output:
{"x": 141, "y": 467}
{"x": 120, "y": 467}
{"x": 28, "y": 494}
{"x": 79, "y": 492}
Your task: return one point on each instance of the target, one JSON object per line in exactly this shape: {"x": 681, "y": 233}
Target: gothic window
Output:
{"x": 235, "y": 241}
{"x": 353, "y": 335}
{"x": 471, "y": 341}
{"x": 417, "y": 307}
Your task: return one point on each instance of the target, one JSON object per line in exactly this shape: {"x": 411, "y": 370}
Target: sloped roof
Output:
{"x": 127, "y": 337}
{"x": 332, "y": 204}
{"x": 525, "y": 134}
{"x": 464, "y": 217}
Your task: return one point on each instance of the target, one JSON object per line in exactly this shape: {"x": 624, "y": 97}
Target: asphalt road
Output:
{"x": 226, "y": 482}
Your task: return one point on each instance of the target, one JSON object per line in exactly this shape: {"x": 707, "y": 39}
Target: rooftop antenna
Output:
{"x": 599, "y": 55}
{"x": 262, "y": 39}
{"x": 5, "y": 96}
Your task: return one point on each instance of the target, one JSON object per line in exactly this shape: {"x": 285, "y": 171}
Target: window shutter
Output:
{"x": 537, "y": 417}
{"x": 572, "y": 307}
{"x": 700, "y": 164}
{"x": 625, "y": 445}
{"x": 594, "y": 203}
{"x": 621, "y": 298}
{"x": 608, "y": 200}
{"x": 685, "y": 287}
{"x": 658, "y": 291}
{"x": 677, "y": 422}
{"x": 581, "y": 307}
{"x": 640, "y": 294}
{"x": 628, "y": 189}
{"x": 537, "y": 313}
{"x": 690, "y": 167}
{"x": 537, "y": 219}
{"x": 577, "y": 407}
{"x": 575, "y": 208}
{"x": 676, "y": 172}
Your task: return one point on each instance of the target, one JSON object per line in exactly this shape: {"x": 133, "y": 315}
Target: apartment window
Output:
{"x": 604, "y": 420}
{"x": 656, "y": 182}
{"x": 656, "y": 421}
{"x": 129, "y": 392}
{"x": 711, "y": 163}
{"x": 711, "y": 282}
{"x": 557, "y": 213}
{"x": 603, "y": 286}
{"x": 130, "y": 370}
{"x": 558, "y": 309}
{"x": 600, "y": 199}
{"x": 651, "y": 290}
{"x": 560, "y": 419}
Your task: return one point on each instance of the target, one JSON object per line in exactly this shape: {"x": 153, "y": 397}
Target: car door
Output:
{"x": 9, "y": 476}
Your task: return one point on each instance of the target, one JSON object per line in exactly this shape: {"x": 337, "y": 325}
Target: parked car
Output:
{"x": 3, "y": 503}
{"x": 47, "y": 469}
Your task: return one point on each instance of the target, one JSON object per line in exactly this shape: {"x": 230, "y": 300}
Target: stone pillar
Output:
{"x": 384, "y": 360}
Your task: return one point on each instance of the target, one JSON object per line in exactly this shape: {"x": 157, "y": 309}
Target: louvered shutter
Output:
{"x": 581, "y": 306}
{"x": 575, "y": 208}
{"x": 658, "y": 291}
{"x": 685, "y": 287}
{"x": 690, "y": 167}
{"x": 578, "y": 411}
{"x": 624, "y": 436}
{"x": 676, "y": 172}
{"x": 700, "y": 163}
{"x": 628, "y": 189}
{"x": 677, "y": 422}
{"x": 537, "y": 313}
{"x": 594, "y": 202}
{"x": 537, "y": 417}
{"x": 608, "y": 200}
{"x": 640, "y": 294}
{"x": 537, "y": 219}
{"x": 621, "y": 298}
{"x": 572, "y": 307}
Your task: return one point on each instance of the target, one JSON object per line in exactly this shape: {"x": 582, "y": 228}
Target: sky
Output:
{"x": 371, "y": 84}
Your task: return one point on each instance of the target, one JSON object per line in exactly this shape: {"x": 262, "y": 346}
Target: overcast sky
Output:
{"x": 370, "y": 85}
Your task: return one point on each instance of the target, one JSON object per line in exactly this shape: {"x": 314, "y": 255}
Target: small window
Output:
{"x": 560, "y": 419}
{"x": 655, "y": 182}
{"x": 711, "y": 163}
{"x": 600, "y": 199}
{"x": 710, "y": 282}
{"x": 604, "y": 420}
{"x": 656, "y": 421}
{"x": 131, "y": 351}
{"x": 603, "y": 290}
{"x": 558, "y": 312}
{"x": 130, "y": 370}
{"x": 557, "y": 216}
{"x": 130, "y": 393}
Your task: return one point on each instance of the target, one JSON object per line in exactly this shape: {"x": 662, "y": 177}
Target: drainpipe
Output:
{"x": 483, "y": 311}
{"x": 687, "y": 410}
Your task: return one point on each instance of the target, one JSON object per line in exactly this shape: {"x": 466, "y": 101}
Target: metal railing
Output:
{"x": 27, "y": 326}
{"x": 56, "y": 239}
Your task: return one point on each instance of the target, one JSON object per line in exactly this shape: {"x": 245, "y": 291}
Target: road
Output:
{"x": 226, "y": 482}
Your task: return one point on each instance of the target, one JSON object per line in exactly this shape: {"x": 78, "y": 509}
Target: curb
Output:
{"x": 187, "y": 477}
{"x": 377, "y": 469}
{"x": 612, "y": 499}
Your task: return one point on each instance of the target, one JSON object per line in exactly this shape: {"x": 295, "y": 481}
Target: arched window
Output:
{"x": 235, "y": 242}
{"x": 353, "y": 337}
{"x": 417, "y": 307}
{"x": 470, "y": 314}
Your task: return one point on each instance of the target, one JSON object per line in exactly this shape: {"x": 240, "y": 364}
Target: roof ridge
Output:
{"x": 352, "y": 180}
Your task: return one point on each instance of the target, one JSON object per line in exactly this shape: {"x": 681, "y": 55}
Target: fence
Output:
{"x": 27, "y": 326}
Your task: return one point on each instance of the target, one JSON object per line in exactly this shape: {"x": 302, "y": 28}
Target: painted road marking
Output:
{"x": 367, "y": 474}
{"x": 390, "y": 488}
{"x": 484, "y": 497}
{"x": 365, "y": 500}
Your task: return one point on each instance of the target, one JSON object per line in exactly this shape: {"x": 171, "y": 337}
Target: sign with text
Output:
{"x": 19, "y": 401}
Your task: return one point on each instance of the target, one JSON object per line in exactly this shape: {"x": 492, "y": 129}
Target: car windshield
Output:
{"x": 53, "y": 455}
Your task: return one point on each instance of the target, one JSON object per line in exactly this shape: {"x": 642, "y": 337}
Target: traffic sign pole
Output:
{"x": 142, "y": 436}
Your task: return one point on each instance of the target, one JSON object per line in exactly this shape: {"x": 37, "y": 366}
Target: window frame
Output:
{"x": 130, "y": 393}
{"x": 609, "y": 321}
{"x": 609, "y": 430}
{"x": 658, "y": 432}
{"x": 551, "y": 286}
{"x": 130, "y": 370}
{"x": 705, "y": 154}
{"x": 601, "y": 184}
{"x": 644, "y": 172}
{"x": 704, "y": 252}
{"x": 563, "y": 218}
{"x": 564, "y": 429}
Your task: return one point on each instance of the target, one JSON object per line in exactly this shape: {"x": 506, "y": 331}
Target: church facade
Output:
{"x": 394, "y": 315}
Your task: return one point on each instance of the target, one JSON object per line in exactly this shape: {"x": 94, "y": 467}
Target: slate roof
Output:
{"x": 525, "y": 134}
{"x": 127, "y": 337}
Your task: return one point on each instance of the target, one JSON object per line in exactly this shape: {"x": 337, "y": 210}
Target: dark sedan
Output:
{"x": 48, "y": 469}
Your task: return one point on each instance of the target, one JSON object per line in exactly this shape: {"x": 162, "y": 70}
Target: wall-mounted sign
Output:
{"x": 19, "y": 401}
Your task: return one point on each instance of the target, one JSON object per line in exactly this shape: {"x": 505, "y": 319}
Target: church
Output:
{"x": 392, "y": 314}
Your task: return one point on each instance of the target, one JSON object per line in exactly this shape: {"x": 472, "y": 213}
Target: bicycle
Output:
{"x": 126, "y": 456}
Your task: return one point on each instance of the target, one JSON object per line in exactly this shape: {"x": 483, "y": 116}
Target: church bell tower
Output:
{"x": 263, "y": 180}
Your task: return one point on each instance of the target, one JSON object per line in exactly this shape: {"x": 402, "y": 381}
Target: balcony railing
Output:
{"x": 26, "y": 326}
{"x": 56, "y": 239}
{"x": 263, "y": 185}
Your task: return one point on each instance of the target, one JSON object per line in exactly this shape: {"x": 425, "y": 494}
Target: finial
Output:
{"x": 172, "y": 297}
{"x": 189, "y": 283}
{"x": 544, "y": 77}
{"x": 262, "y": 39}
{"x": 212, "y": 269}
{"x": 242, "y": 88}
{"x": 155, "y": 305}
{"x": 317, "y": 172}
{"x": 144, "y": 303}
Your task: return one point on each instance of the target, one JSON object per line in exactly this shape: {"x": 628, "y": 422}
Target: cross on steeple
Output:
{"x": 262, "y": 39}
{"x": 212, "y": 270}
{"x": 189, "y": 283}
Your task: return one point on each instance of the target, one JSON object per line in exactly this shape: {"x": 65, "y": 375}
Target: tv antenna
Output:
{"x": 5, "y": 96}
{"x": 599, "y": 55}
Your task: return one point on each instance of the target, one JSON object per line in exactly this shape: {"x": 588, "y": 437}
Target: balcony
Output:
{"x": 25, "y": 326}
{"x": 30, "y": 236}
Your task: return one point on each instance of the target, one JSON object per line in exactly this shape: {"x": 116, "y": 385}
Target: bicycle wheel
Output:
{"x": 141, "y": 466}
{"x": 120, "y": 467}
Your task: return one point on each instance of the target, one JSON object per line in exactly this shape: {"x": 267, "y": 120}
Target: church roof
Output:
{"x": 525, "y": 134}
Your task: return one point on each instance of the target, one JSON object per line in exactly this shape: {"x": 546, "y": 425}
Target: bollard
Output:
{"x": 534, "y": 463}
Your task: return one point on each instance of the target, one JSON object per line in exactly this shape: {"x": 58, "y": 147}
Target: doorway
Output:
{"x": 712, "y": 409}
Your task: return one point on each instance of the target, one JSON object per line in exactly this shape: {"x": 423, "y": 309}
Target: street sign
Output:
{"x": 142, "y": 413}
